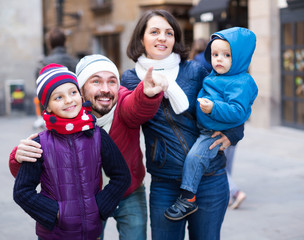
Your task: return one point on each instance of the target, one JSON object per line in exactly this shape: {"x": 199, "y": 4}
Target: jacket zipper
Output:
{"x": 173, "y": 126}
{"x": 76, "y": 176}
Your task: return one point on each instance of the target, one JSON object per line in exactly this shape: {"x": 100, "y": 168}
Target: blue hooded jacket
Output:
{"x": 234, "y": 92}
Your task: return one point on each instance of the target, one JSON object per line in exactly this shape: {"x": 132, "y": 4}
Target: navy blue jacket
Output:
{"x": 169, "y": 136}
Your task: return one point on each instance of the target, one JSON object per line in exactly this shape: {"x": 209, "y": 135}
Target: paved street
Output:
{"x": 269, "y": 167}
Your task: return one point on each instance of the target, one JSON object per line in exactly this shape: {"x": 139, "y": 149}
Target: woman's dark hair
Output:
{"x": 136, "y": 49}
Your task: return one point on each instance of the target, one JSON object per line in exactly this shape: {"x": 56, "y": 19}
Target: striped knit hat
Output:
{"x": 52, "y": 76}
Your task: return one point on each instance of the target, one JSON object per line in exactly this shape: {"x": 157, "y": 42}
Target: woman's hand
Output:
{"x": 154, "y": 83}
{"x": 28, "y": 150}
{"x": 224, "y": 141}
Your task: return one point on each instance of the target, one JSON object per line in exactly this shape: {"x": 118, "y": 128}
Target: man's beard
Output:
{"x": 102, "y": 110}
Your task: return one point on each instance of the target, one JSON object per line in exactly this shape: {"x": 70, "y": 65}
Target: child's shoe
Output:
{"x": 181, "y": 208}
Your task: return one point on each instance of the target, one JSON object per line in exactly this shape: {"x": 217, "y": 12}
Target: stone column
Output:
{"x": 265, "y": 66}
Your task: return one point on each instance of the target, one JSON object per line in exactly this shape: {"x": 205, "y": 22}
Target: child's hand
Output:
{"x": 206, "y": 105}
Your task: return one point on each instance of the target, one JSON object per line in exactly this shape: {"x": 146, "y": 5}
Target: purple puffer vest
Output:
{"x": 71, "y": 176}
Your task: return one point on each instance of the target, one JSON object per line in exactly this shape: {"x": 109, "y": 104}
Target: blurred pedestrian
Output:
{"x": 55, "y": 41}
{"x": 197, "y": 53}
{"x": 236, "y": 195}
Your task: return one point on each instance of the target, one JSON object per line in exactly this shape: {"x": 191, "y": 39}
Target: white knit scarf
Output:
{"x": 106, "y": 120}
{"x": 168, "y": 67}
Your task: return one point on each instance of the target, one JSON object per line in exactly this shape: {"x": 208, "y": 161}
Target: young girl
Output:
{"x": 70, "y": 204}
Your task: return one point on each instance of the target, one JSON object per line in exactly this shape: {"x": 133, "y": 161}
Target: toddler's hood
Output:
{"x": 242, "y": 43}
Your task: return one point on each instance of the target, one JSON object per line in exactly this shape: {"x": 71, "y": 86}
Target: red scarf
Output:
{"x": 82, "y": 122}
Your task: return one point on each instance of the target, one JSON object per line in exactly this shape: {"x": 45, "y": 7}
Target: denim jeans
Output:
{"x": 229, "y": 152}
{"x": 205, "y": 224}
{"x": 131, "y": 216}
{"x": 197, "y": 160}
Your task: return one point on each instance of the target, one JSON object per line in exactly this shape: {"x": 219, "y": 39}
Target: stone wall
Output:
{"x": 265, "y": 65}
{"x": 20, "y": 41}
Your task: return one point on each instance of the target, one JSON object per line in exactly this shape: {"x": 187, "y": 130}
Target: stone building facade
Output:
{"x": 105, "y": 27}
{"x": 279, "y": 27}
{"x": 20, "y": 41}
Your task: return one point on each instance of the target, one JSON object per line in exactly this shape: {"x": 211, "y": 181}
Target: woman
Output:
{"x": 157, "y": 42}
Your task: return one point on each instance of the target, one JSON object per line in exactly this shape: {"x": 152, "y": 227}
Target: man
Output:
{"x": 120, "y": 112}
